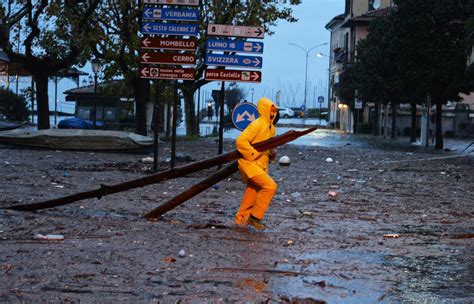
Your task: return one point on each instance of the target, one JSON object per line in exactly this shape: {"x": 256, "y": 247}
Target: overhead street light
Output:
{"x": 307, "y": 51}
{"x": 321, "y": 55}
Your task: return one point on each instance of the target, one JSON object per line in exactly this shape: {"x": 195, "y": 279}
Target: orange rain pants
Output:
{"x": 258, "y": 195}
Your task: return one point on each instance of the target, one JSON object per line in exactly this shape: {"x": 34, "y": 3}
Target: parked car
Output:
{"x": 286, "y": 113}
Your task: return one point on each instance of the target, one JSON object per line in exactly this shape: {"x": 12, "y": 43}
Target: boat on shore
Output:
{"x": 78, "y": 139}
{"x": 7, "y": 125}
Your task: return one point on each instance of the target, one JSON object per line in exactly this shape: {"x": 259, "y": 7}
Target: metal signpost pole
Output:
{"x": 320, "y": 109}
{"x": 94, "y": 111}
{"x": 155, "y": 133}
{"x": 175, "y": 124}
{"x": 428, "y": 112}
{"x": 221, "y": 118}
{"x": 226, "y": 60}
{"x": 199, "y": 109}
{"x": 55, "y": 100}
{"x": 152, "y": 28}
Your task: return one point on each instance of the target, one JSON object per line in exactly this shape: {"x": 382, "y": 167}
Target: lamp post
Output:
{"x": 252, "y": 94}
{"x": 96, "y": 67}
{"x": 307, "y": 51}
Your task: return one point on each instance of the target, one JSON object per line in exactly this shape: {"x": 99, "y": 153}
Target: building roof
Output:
{"x": 89, "y": 89}
{"x": 334, "y": 21}
{"x": 71, "y": 73}
{"x": 369, "y": 16}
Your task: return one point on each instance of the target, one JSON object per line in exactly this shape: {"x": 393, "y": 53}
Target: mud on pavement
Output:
{"x": 398, "y": 231}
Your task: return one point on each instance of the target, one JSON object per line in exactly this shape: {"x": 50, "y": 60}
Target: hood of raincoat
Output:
{"x": 264, "y": 107}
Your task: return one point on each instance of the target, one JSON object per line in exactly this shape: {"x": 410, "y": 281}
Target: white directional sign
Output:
{"x": 170, "y": 14}
{"x": 235, "y": 31}
{"x": 173, "y": 2}
{"x": 227, "y": 45}
{"x": 235, "y": 61}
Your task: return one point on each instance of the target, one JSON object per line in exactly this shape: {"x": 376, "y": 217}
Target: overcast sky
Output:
{"x": 283, "y": 64}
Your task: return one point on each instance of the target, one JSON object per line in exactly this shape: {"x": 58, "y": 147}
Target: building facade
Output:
{"x": 346, "y": 30}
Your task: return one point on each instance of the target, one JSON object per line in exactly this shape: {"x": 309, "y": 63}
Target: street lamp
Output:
{"x": 307, "y": 51}
{"x": 96, "y": 67}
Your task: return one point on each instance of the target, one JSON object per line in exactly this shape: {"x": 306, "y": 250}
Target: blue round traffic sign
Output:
{"x": 244, "y": 113}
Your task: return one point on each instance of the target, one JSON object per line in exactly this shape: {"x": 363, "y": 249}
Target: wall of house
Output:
{"x": 454, "y": 122}
{"x": 386, "y": 3}
{"x": 337, "y": 41}
{"x": 468, "y": 99}
{"x": 360, "y": 7}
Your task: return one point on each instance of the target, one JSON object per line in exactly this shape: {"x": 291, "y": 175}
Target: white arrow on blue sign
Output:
{"x": 170, "y": 14}
{"x": 157, "y": 28}
{"x": 235, "y": 61}
{"x": 235, "y": 46}
{"x": 243, "y": 115}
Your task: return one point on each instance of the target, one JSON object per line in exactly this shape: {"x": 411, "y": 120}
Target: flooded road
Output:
{"x": 400, "y": 231}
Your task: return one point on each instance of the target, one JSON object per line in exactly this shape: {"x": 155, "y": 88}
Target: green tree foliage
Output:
{"x": 118, "y": 42}
{"x": 421, "y": 50}
{"x": 435, "y": 49}
{"x": 13, "y": 106}
{"x": 51, "y": 37}
{"x": 233, "y": 95}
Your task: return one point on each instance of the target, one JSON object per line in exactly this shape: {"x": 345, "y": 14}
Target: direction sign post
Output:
{"x": 177, "y": 29}
{"x": 233, "y": 75}
{"x": 243, "y": 115}
{"x": 167, "y": 73}
{"x": 173, "y": 2}
{"x": 170, "y": 14}
{"x": 254, "y": 62}
{"x": 320, "y": 101}
{"x": 236, "y": 31}
{"x": 150, "y": 27}
{"x": 225, "y": 60}
{"x": 152, "y": 43}
{"x": 168, "y": 58}
{"x": 227, "y": 45}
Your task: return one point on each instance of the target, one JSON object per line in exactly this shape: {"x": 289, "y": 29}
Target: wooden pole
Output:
{"x": 193, "y": 191}
{"x": 161, "y": 176}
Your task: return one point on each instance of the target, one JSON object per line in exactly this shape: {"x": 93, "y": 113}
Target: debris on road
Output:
{"x": 284, "y": 161}
{"x": 333, "y": 195}
{"x": 49, "y": 237}
{"x": 147, "y": 160}
{"x": 391, "y": 236}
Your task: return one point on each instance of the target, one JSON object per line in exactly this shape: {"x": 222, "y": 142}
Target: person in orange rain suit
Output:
{"x": 253, "y": 166}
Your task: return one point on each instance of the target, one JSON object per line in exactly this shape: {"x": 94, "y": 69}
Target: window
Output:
{"x": 371, "y": 5}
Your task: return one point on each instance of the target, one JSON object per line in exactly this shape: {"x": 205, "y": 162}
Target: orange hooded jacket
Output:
{"x": 253, "y": 162}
